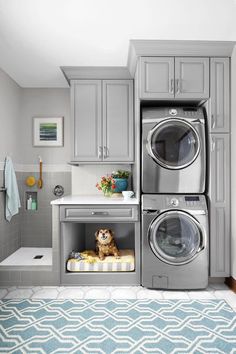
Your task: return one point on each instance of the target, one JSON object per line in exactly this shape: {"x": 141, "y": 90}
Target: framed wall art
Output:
{"x": 48, "y": 131}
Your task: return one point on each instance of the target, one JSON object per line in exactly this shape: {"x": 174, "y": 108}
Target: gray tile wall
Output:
{"x": 36, "y": 226}
{"x": 9, "y": 232}
{"x": 31, "y": 228}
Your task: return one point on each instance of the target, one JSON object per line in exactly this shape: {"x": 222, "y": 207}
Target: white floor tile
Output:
{"x": 19, "y": 294}
{"x": 149, "y": 294}
{"x": 45, "y": 294}
{"x": 228, "y": 295}
{"x": 169, "y": 295}
{"x": 201, "y": 295}
{"x": 122, "y": 293}
{"x": 71, "y": 293}
{"x": 99, "y": 293}
{"x": 3, "y": 292}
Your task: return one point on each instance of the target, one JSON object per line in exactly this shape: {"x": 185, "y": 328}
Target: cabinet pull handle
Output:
{"x": 172, "y": 86}
{"x": 99, "y": 152}
{"x": 213, "y": 144}
{"x": 213, "y": 121}
{"x": 105, "y": 152}
{"x": 99, "y": 213}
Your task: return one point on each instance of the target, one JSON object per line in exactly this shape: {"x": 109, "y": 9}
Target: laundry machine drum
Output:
{"x": 176, "y": 237}
{"x": 173, "y": 144}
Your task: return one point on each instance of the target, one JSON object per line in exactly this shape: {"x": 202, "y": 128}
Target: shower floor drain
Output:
{"x": 39, "y": 256}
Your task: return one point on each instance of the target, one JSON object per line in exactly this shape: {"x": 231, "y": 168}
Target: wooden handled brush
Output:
{"x": 40, "y": 181}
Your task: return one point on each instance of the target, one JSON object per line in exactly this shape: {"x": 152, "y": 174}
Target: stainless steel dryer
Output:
{"x": 174, "y": 242}
{"x": 173, "y": 150}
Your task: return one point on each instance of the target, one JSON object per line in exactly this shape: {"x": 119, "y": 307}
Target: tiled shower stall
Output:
{"x": 31, "y": 228}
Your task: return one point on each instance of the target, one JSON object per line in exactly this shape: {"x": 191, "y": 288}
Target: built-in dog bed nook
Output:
{"x": 90, "y": 262}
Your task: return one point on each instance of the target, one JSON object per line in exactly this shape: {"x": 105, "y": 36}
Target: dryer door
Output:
{"x": 173, "y": 144}
{"x": 176, "y": 237}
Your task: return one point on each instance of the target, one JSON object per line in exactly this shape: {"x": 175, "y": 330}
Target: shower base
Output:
{"x": 35, "y": 257}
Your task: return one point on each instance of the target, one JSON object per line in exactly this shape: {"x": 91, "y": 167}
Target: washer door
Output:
{"x": 173, "y": 144}
{"x": 175, "y": 237}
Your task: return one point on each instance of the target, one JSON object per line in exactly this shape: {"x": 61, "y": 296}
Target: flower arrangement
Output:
{"x": 107, "y": 185}
{"x": 120, "y": 174}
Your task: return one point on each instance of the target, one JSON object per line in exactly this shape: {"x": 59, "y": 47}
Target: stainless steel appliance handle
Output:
{"x": 99, "y": 213}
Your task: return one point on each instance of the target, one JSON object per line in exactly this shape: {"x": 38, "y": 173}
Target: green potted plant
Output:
{"x": 121, "y": 180}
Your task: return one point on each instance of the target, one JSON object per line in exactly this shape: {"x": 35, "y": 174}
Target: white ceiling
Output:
{"x": 39, "y": 36}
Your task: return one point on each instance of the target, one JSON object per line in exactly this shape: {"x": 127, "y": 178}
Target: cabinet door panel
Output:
{"x": 86, "y": 112}
{"x": 118, "y": 120}
{"x": 157, "y": 77}
{"x": 219, "y": 111}
{"x": 219, "y": 208}
{"x": 192, "y": 78}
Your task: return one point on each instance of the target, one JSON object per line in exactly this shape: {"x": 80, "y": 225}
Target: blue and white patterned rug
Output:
{"x": 117, "y": 326}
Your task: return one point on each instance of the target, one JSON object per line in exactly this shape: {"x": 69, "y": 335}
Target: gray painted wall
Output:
{"x": 44, "y": 103}
{"x": 10, "y": 94}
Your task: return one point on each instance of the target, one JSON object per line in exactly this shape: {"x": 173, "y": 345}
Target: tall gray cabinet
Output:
{"x": 219, "y": 168}
{"x": 102, "y": 121}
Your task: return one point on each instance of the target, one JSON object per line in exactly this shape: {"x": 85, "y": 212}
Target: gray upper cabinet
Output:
{"x": 174, "y": 78}
{"x": 219, "y": 208}
{"x": 118, "y": 139}
{"x": 192, "y": 78}
{"x": 86, "y": 115}
{"x": 220, "y": 91}
{"x": 157, "y": 77}
{"x": 102, "y": 121}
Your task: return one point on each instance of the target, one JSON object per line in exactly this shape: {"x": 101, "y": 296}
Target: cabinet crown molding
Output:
{"x": 95, "y": 72}
{"x": 141, "y": 47}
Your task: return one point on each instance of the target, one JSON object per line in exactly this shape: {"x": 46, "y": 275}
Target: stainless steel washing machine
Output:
{"x": 174, "y": 242}
{"x": 173, "y": 150}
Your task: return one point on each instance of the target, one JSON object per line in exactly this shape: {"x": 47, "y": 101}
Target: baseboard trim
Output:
{"x": 231, "y": 282}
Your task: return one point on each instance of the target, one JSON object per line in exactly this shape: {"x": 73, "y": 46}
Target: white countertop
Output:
{"x": 93, "y": 199}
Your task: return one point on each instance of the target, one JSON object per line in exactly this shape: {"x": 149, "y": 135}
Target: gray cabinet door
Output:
{"x": 219, "y": 105}
{"x": 219, "y": 207}
{"x": 118, "y": 139}
{"x": 86, "y": 114}
{"x": 157, "y": 77}
{"x": 191, "y": 78}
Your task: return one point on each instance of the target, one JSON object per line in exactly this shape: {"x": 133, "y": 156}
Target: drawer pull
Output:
{"x": 99, "y": 213}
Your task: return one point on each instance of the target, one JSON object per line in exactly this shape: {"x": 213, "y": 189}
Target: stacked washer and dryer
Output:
{"x": 175, "y": 237}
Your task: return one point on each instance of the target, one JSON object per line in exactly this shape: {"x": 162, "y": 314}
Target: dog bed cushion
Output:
{"x": 91, "y": 263}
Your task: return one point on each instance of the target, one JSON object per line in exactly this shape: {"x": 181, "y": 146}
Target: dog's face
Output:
{"x": 104, "y": 236}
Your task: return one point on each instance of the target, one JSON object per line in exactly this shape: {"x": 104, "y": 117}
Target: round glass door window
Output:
{"x": 175, "y": 237}
{"x": 173, "y": 144}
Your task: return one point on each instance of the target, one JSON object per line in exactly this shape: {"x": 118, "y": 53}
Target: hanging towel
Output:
{"x": 12, "y": 192}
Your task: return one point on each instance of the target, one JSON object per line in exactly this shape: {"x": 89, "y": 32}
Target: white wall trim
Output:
{"x": 35, "y": 167}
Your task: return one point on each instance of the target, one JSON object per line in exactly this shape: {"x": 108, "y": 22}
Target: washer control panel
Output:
{"x": 173, "y": 112}
{"x": 174, "y": 202}
{"x": 184, "y": 201}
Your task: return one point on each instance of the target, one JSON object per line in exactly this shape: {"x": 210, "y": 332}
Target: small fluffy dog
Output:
{"x": 105, "y": 244}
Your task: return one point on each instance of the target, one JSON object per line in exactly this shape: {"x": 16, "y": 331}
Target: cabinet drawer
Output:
{"x": 70, "y": 213}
